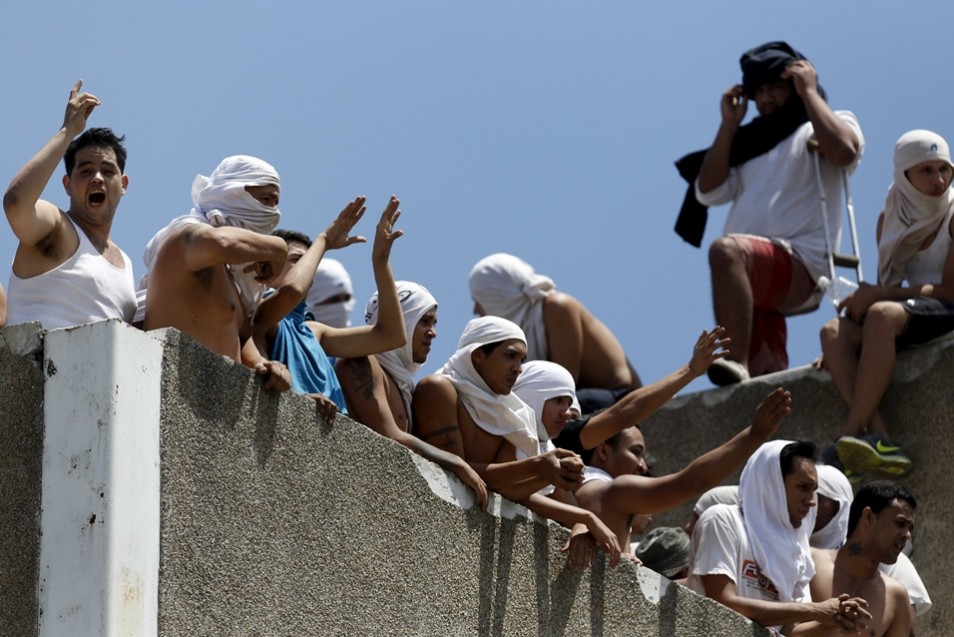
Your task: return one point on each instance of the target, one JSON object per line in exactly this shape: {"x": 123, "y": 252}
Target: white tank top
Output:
{"x": 927, "y": 266}
{"x": 83, "y": 289}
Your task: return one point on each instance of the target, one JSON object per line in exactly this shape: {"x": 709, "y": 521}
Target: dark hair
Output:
{"x": 293, "y": 236}
{"x": 876, "y": 496}
{"x": 96, "y": 138}
{"x": 490, "y": 347}
{"x": 797, "y": 449}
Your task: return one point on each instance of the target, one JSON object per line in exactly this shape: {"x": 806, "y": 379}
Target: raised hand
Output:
{"x": 770, "y": 412}
{"x": 706, "y": 350}
{"x": 385, "y": 234}
{"x": 78, "y": 110}
{"x": 803, "y": 75}
{"x": 337, "y": 235}
{"x": 733, "y": 105}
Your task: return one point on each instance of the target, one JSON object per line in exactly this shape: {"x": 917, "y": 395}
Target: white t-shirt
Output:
{"x": 775, "y": 195}
{"x": 903, "y": 571}
{"x": 720, "y": 546}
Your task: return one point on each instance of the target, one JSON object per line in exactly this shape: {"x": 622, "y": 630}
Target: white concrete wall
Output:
{"x": 99, "y": 550}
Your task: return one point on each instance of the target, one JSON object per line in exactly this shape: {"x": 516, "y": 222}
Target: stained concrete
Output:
{"x": 274, "y": 523}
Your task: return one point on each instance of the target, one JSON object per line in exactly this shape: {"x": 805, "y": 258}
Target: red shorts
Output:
{"x": 780, "y": 284}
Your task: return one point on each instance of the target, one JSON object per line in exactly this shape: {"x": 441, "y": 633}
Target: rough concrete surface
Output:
{"x": 274, "y": 523}
{"x": 21, "y": 455}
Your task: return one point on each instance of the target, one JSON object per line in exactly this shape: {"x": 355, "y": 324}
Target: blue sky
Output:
{"x": 544, "y": 129}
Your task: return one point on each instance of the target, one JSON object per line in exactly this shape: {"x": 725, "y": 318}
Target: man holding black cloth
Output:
{"x": 772, "y": 252}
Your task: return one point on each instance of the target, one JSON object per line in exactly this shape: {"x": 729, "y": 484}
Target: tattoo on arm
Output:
{"x": 360, "y": 369}
{"x": 440, "y": 438}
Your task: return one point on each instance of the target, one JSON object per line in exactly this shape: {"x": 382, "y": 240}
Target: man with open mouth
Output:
{"x": 67, "y": 271}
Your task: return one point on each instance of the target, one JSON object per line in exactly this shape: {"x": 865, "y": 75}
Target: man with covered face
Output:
{"x": 207, "y": 269}
{"x": 773, "y": 252}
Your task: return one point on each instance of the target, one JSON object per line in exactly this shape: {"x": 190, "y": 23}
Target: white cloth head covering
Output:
{"x": 416, "y": 301}
{"x": 221, "y": 200}
{"x": 833, "y": 484}
{"x": 726, "y": 494}
{"x": 331, "y": 279}
{"x": 500, "y": 415}
{"x": 781, "y": 551}
{"x": 539, "y": 382}
{"x": 910, "y": 216}
{"x": 507, "y": 286}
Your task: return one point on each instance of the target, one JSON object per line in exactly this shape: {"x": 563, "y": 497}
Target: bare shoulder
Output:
{"x": 435, "y": 387}
{"x": 561, "y": 303}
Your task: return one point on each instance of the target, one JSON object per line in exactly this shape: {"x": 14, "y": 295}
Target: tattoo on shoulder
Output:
{"x": 853, "y": 548}
{"x": 360, "y": 369}
{"x": 188, "y": 235}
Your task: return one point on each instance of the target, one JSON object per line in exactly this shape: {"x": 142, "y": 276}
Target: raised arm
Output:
{"x": 388, "y": 333}
{"x": 837, "y": 142}
{"x": 641, "y": 494}
{"x": 32, "y": 219}
{"x": 201, "y": 247}
{"x": 641, "y": 403}
{"x": 294, "y": 286}
{"x": 715, "y": 165}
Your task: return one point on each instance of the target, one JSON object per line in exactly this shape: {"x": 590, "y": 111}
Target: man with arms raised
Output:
{"x": 378, "y": 388}
{"x": 616, "y": 488}
{"x": 66, "y": 270}
{"x": 879, "y": 524}
{"x": 207, "y": 269}
{"x": 755, "y": 557}
{"x": 559, "y": 328}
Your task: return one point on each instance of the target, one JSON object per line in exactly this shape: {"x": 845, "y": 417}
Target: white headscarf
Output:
{"x": 781, "y": 551}
{"x": 833, "y": 484}
{"x": 727, "y": 494}
{"x": 500, "y": 415}
{"x": 416, "y": 301}
{"x": 507, "y": 286}
{"x": 221, "y": 200}
{"x": 910, "y": 216}
{"x": 331, "y": 279}
{"x": 539, "y": 382}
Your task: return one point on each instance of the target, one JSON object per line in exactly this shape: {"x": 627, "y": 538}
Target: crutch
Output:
{"x": 836, "y": 287}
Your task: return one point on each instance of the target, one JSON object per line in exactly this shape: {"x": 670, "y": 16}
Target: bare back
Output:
{"x": 203, "y": 304}
{"x": 584, "y": 345}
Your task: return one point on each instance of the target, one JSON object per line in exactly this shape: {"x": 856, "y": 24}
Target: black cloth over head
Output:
{"x": 756, "y": 138}
{"x": 764, "y": 64}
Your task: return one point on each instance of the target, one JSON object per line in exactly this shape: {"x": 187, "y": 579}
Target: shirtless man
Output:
{"x": 378, "y": 388}
{"x": 207, "y": 269}
{"x": 67, "y": 271}
{"x": 879, "y": 525}
{"x": 616, "y": 488}
{"x": 558, "y": 327}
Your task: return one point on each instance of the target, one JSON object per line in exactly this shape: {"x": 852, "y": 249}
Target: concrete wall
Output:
{"x": 271, "y": 522}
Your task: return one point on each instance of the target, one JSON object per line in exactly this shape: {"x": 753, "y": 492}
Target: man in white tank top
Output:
{"x": 914, "y": 239}
{"x": 66, "y": 270}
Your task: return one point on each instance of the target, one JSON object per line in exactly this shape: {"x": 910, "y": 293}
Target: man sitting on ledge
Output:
{"x": 207, "y": 269}
{"x": 558, "y": 328}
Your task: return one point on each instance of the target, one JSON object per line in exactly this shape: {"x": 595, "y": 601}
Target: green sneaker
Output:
{"x": 872, "y": 454}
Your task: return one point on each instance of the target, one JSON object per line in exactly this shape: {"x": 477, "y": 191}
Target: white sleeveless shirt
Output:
{"x": 84, "y": 289}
